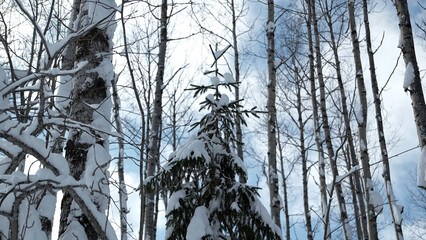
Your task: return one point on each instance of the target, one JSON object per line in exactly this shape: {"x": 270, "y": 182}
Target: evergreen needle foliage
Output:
{"x": 207, "y": 201}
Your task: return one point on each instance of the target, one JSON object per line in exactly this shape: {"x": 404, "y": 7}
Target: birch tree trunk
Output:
{"x": 395, "y": 210}
{"x": 87, "y": 153}
{"x": 317, "y": 128}
{"x": 154, "y": 145}
{"x": 348, "y": 133}
{"x": 356, "y": 201}
{"x": 272, "y": 119}
{"x": 238, "y": 131}
{"x": 122, "y": 191}
{"x": 323, "y": 106}
{"x": 301, "y": 123}
{"x": 283, "y": 176}
{"x": 362, "y": 125}
{"x": 415, "y": 88}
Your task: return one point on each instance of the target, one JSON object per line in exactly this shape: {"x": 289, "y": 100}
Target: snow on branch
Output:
{"x": 98, "y": 220}
{"x": 352, "y": 170}
{"x": 341, "y": 177}
{"x": 58, "y": 166}
{"x": 48, "y": 73}
{"x": 69, "y": 123}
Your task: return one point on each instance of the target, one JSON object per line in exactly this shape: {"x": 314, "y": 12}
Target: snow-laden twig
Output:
{"x": 58, "y": 165}
{"x": 341, "y": 177}
{"x": 69, "y": 123}
{"x": 49, "y": 73}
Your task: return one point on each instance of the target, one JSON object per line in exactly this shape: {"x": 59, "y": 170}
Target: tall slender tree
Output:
{"x": 284, "y": 183}
{"x": 238, "y": 131}
{"x": 154, "y": 146}
{"x": 361, "y": 223}
{"x": 327, "y": 133}
{"x": 303, "y": 155}
{"x": 395, "y": 209}
{"x": 412, "y": 82}
{"x": 275, "y": 200}
{"x": 362, "y": 126}
{"x": 317, "y": 126}
{"x": 122, "y": 191}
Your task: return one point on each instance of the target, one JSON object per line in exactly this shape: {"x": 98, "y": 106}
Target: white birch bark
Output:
{"x": 122, "y": 191}
{"x": 317, "y": 128}
{"x": 415, "y": 88}
{"x": 362, "y": 125}
{"x": 301, "y": 123}
{"x": 275, "y": 201}
{"x": 361, "y": 223}
{"x": 283, "y": 176}
{"x": 327, "y": 134}
{"x": 154, "y": 145}
{"x": 394, "y": 208}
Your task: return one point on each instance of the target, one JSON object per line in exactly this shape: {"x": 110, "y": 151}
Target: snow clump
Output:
{"x": 199, "y": 225}
{"x": 409, "y": 76}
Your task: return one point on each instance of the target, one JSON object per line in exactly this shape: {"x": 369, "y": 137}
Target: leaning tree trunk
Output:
{"x": 272, "y": 119}
{"x": 88, "y": 153}
{"x": 323, "y": 106}
{"x": 355, "y": 178}
{"x": 317, "y": 128}
{"x": 414, "y": 84}
{"x": 154, "y": 146}
{"x": 362, "y": 125}
{"x": 395, "y": 209}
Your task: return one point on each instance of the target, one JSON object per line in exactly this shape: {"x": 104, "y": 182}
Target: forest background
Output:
{"x": 195, "y": 30}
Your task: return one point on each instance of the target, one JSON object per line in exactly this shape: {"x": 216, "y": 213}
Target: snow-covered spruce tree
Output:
{"x": 207, "y": 201}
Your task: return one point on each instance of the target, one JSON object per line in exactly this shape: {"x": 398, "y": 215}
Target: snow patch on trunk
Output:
{"x": 421, "y": 170}
{"x": 4, "y": 103}
{"x": 74, "y": 231}
{"x": 409, "y": 76}
{"x": 102, "y": 14}
{"x": 97, "y": 175}
{"x": 396, "y": 209}
{"x": 270, "y": 27}
{"x": 377, "y": 201}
